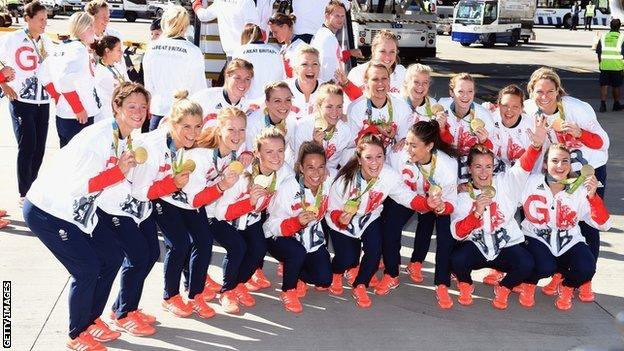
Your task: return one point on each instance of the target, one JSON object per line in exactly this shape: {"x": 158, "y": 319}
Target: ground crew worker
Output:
{"x": 610, "y": 50}
{"x": 590, "y": 13}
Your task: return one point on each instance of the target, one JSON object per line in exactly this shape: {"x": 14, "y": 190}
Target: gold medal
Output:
{"x": 351, "y": 207}
{"x": 488, "y": 191}
{"x": 236, "y": 167}
{"x": 476, "y": 123}
{"x": 262, "y": 181}
{"x": 437, "y": 108}
{"x": 557, "y": 125}
{"x": 321, "y": 123}
{"x": 188, "y": 165}
{"x": 140, "y": 155}
{"x": 587, "y": 171}
{"x": 313, "y": 209}
{"x": 434, "y": 190}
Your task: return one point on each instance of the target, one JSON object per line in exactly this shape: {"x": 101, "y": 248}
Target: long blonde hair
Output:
{"x": 79, "y": 22}
{"x": 209, "y": 137}
{"x": 175, "y": 20}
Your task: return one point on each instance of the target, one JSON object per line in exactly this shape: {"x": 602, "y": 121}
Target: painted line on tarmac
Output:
{"x": 50, "y": 313}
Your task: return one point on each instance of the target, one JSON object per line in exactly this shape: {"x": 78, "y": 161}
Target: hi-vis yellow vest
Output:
{"x": 611, "y": 57}
{"x": 590, "y": 10}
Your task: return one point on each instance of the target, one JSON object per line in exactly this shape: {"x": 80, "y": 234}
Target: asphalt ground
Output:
{"x": 408, "y": 318}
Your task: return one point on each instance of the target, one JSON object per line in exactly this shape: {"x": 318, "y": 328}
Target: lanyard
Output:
{"x": 317, "y": 198}
{"x": 561, "y": 113}
{"x": 174, "y": 165}
{"x": 369, "y": 111}
{"x": 429, "y": 175}
{"x": 428, "y": 111}
{"x": 281, "y": 125}
{"x": 471, "y": 114}
{"x": 255, "y": 171}
{"x": 116, "y": 74}
{"x": 329, "y": 132}
{"x": 116, "y": 133}
{"x": 41, "y": 54}
{"x": 215, "y": 158}
{"x": 358, "y": 183}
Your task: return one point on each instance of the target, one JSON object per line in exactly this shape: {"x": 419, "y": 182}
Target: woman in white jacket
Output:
{"x": 172, "y": 63}
{"x": 353, "y": 214}
{"x": 294, "y": 230}
{"x": 62, "y": 214}
{"x": 108, "y": 76}
{"x": 574, "y": 123}
{"x": 265, "y": 57}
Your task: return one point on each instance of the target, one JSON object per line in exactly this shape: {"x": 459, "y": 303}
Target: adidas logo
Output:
{"x": 540, "y": 187}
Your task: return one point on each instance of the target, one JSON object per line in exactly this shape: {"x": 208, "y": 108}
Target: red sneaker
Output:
{"x": 465, "y": 293}
{"x": 3, "y": 213}
{"x": 243, "y": 296}
{"x": 494, "y": 277}
{"x": 177, "y": 306}
{"x": 133, "y": 325}
{"x": 361, "y": 296}
{"x": 229, "y": 302}
{"x": 260, "y": 279}
{"x": 585, "y": 292}
{"x": 4, "y": 223}
{"x": 373, "y": 282}
{"x": 443, "y": 297}
{"x": 501, "y": 294}
{"x": 564, "y": 299}
{"x": 336, "y": 286}
{"x": 199, "y": 306}
{"x": 351, "y": 273}
{"x": 527, "y": 295}
{"x": 291, "y": 301}
{"x": 144, "y": 317}
{"x": 280, "y": 269}
{"x": 101, "y": 332}
{"x": 208, "y": 294}
{"x": 84, "y": 342}
{"x": 386, "y": 284}
{"x": 551, "y": 288}
{"x": 212, "y": 285}
{"x": 302, "y": 288}
{"x": 415, "y": 271}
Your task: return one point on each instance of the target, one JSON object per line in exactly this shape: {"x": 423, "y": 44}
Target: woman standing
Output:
{"x": 128, "y": 220}
{"x": 75, "y": 81}
{"x": 282, "y": 28}
{"x": 379, "y": 112}
{"x": 294, "y": 231}
{"x": 428, "y": 168}
{"x": 325, "y": 127}
{"x": 484, "y": 221}
{"x": 61, "y": 213}
{"x": 172, "y": 63}
{"x": 573, "y": 123}
{"x": 162, "y": 180}
{"x": 29, "y": 102}
{"x": 239, "y": 218}
{"x": 238, "y": 76}
{"x": 384, "y": 50}
{"x": 107, "y": 74}
{"x": 255, "y": 51}
{"x": 553, "y": 206}
{"x": 353, "y": 215}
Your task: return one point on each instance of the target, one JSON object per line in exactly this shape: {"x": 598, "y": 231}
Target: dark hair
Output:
{"x": 308, "y": 148}
{"x": 251, "y": 33}
{"x": 511, "y": 89}
{"x": 32, "y": 8}
{"x": 272, "y": 86}
{"x": 281, "y": 19}
{"x": 107, "y": 42}
{"x": 155, "y": 25}
{"x": 615, "y": 24}
{"x": 349, "y": 169}
{"x": 124, "y": 90}
{"x": 478, "y": 150}
{"x": 429, "y": 132}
